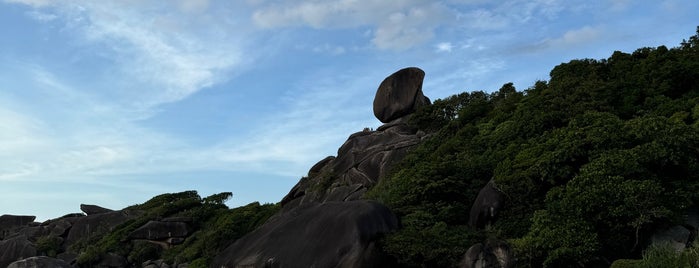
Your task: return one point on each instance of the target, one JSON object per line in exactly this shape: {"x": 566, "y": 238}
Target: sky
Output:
{"x": 113, "y": 102}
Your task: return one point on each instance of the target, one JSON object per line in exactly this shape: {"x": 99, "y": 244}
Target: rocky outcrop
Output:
{"x": 166, "y": 233}
{"x": 10, "y": 223}
{"x": 361, "y": 161}
{"x": 492, "y": 254}
{"x": 40, "y": 262}
{"x": 95, "y": 224}
{"x": 93, "y": 209}
{"x": 331, "y": 234}
{"x": 399, "y": 95}
{"x": 15, "y": 248}
{"x": 486, "y": 207}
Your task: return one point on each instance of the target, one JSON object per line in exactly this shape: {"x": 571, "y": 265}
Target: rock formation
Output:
{"x": 399, "y": 95}
{"x": 485, "y": 209}
{"x": 15, "y": 248}
{"x": 93, "y": 209}
{"x": 367, "y": 155}
{"x": 39, "y": 262}
{"x": 330, "y": 234}
{"x": 323, "y": 209}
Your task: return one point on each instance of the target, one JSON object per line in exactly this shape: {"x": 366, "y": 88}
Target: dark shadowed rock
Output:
{"x": 93, "y": 209}
{"x": 40, "y": 262}
{"x": 111, "y": 260}
{"x": 399, "y": 94}
{"x": 331, "y": 234}
{"x": 15, "y": 248}
{"x": 485, "y": 209}
{"x": 96, "y": 224}
{"x": 158, "y": 230}
{"x": 492, "y": 254}
{"x": 363, "y": 159}
{"x": 678, "y": 237}
{"x": 9, "y": 224}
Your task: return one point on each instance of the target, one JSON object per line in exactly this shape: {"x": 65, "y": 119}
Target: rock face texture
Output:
{"x": 95, "y": 224}
{"x": 10, "y": 223}
{"x": 330, "y": 234}
{"x": 40, "y": 262}
{"x": 399, "y": 94}
{"x": 362, "y": 160}
{"x": 93, "y": 209}
{"x": 485, "y": 209}
{"x": 15, "y": 248}
{"x": 167, "y": 232}
{"x": 492, "y": 254}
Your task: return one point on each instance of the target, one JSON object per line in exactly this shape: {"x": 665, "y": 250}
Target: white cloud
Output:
{"x": 585, "y": 34}
{"x": 444, "y": 47}
{"x": 397, "y": 24}
{"x": 169, "y": 47}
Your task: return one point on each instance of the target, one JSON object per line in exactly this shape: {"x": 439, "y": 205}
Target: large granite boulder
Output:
{"x": 331, "y": 234}
{"x": 10, "y": 223}
{"x": 15, "y": 248}
{"x": 364, "y": 159}
{"x": 492, "y": 254}
{"x": 399, "y": 94}
{"x": 96, "y": 224}
{"x": 486, "y": 207}
{"x": 93, "y": 209}
{"x": 160, "y": 230}
{"x": 40, "y": 262}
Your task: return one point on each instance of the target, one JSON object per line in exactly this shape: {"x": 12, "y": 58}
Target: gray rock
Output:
{"x": 15, "y": 248}
{"x": 9, "y": 224}
{"x": 39, "y": 262}
{"x": 111, "y": 260}
{"x": 158, "y": 230}
{"x": 399, "y": 95}
{"x": 492, "y": 254}
{"x": 365, "y": 158}
{"x": 678, "y": 237}
{"x": 486, "y": 206}
{"x": 331, "y": 234}
{"x": 97, "y": 224}
{"x": 93, "y": 209}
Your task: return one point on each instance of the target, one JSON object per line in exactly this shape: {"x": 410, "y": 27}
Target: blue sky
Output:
{"x": 113, "y": 102}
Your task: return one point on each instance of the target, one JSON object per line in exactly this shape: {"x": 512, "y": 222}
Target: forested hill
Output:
{"x": 588, "y": 166}
{"x": 597, "y": 167}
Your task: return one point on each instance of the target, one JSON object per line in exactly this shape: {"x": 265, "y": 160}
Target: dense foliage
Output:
{"x": 590, "y": 162}
{"x": 215, "y": 226}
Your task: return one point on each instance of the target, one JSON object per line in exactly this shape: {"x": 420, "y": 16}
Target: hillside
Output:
{"x": 596, "y": 167}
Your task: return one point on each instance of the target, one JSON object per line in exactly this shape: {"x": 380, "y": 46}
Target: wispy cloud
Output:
{"x": 175, "y": 54}
{"x": 396, "y": 25}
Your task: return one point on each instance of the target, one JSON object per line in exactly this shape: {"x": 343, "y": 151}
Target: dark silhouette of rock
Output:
{"x": 40, "y": 262}
{"x": 93, "y": 209}
{"x": 677, "y": 236}
{"x": 331, "y": 234}
{"x": 111, "y": 260}
{"x": 158, "y": 230}
{"x": 364, "y": 159}
{"x": 492, "y": 254}
{"x": 96, "y": 224}
{"x": 367, "y": 156}
{"x": 399, "y": 94}
{"x": 15, "y": 248}
{"x": 485, "y": 209}
{"x": 11, "y": 223}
